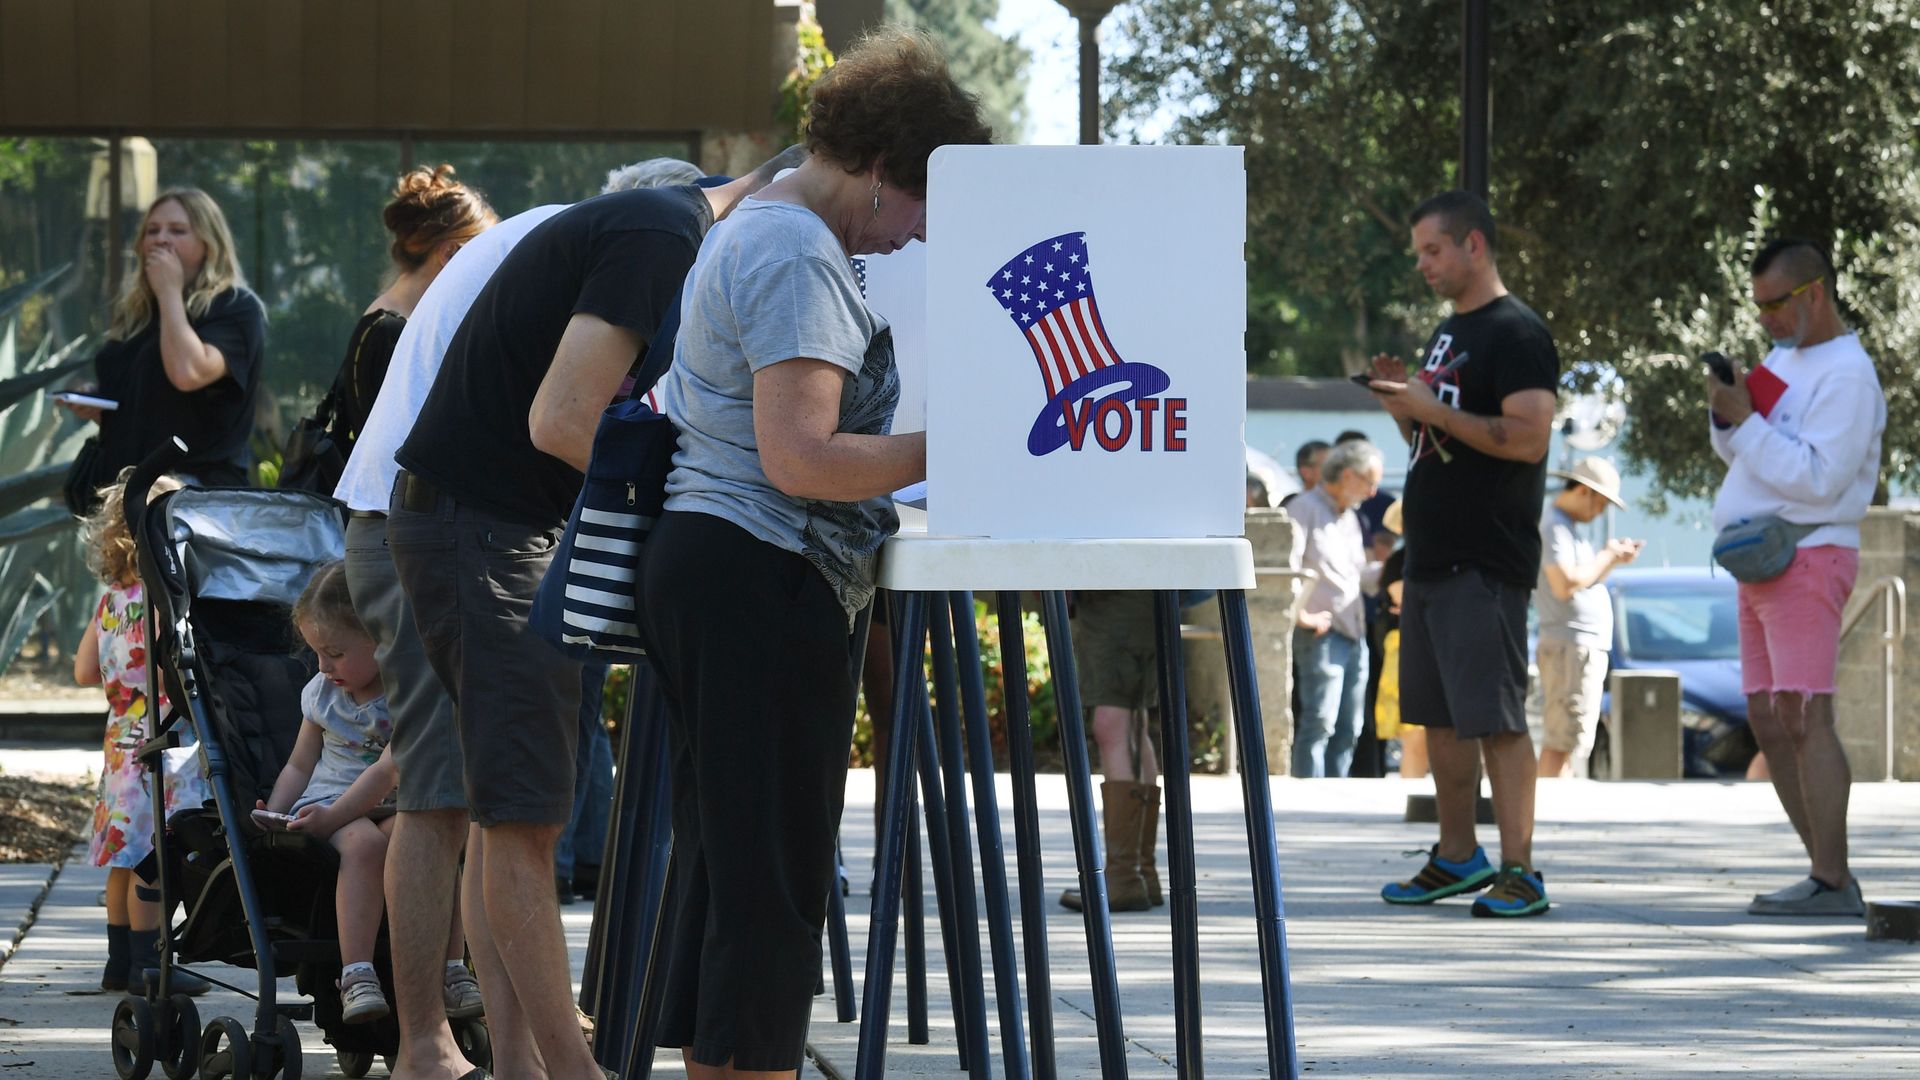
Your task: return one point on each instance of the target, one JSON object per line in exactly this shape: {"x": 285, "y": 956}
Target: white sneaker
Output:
{"x": 361, "y": 998}
{"x": 1823, "y": 899}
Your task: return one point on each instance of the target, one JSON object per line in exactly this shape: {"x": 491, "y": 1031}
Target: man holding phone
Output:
{"x": 1478, "y": 417}
{"x": 1576, "y": 614}
{"x": 1801, "y": 438}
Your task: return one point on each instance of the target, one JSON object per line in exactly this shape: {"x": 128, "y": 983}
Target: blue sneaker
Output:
{"x": 1519, "y": 892}
{"x": 1441, "y": 878}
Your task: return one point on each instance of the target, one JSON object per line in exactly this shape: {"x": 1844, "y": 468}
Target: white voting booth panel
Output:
{"x": 897, "y": 292}
{"x": 1085, "y": 325}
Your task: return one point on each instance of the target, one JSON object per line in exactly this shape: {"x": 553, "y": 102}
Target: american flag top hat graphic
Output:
{"x": 1047, "y": 290}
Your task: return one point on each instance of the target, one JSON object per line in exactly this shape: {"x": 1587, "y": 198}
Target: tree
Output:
{"x": 1630, "y": 138}
{"x": 987, "y": 64}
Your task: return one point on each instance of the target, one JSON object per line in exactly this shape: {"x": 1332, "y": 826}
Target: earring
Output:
{"x": 876, "y": 198}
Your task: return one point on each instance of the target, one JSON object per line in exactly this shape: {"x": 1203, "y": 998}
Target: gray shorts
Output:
{"x": 471, "y": 576}
{"x": 1463, "y": 654}
{"x": 426, "y": 748}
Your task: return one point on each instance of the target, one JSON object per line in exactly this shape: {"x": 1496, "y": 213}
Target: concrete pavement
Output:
{"x": 1648, "y": 965}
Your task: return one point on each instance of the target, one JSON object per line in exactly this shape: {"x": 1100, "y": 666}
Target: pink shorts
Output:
{"x": 1790, "y": 626}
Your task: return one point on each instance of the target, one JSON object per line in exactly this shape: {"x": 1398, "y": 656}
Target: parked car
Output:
{"x": 1685, "y": 619}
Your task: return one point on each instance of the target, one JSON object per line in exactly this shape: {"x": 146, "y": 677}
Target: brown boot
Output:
{"x": 1126, "y": 889}
{"x": 1149, "y": 796}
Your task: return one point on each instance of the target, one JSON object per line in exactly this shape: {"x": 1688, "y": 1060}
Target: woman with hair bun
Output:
{"x": 430, "y": 216}
{"x": 783, "y": 388}
{"x": 182, "y": 356}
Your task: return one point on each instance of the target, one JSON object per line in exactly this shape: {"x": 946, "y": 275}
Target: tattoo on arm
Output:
{"x": 1497, "y": 427}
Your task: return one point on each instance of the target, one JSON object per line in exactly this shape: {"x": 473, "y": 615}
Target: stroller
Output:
{"x": 222, "y": 568}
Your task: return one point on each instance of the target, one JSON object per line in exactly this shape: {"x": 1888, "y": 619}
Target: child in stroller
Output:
{"x": 338, "y": 784}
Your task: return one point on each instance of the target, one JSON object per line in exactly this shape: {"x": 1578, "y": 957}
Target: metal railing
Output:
{"x": 1893, "y": 630}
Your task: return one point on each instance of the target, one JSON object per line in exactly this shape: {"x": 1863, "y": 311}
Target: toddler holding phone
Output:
{"x": 339, "y": 782}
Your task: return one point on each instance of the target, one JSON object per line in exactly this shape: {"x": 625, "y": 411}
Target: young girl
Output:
{"x": 113, "y": 655}
{"x": 339, "y": 781}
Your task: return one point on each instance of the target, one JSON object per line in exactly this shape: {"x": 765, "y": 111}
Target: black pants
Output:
{"x": 754, "y": 654}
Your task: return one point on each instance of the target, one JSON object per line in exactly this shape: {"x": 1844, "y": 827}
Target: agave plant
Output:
{"x": 41, "y": 568}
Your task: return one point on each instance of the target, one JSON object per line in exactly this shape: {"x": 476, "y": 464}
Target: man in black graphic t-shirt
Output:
{"x": 1477, "y": 415}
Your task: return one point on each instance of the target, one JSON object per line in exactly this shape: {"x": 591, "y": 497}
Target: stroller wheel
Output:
{"x": 179, "y": 1041}
{"x": 288, "y": 1065}
{"x": 132, "y": 1038}
{"x": 354, "y": 1064}
{"x": 225, "y": 1051}
{"x": 476, "y": 1043}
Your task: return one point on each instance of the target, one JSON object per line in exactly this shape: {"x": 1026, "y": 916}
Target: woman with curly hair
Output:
{"x": 783, "y": 387}
{"x": 430, "y": 215}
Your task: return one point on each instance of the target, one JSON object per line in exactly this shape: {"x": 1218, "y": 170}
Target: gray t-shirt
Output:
{"x": 352, "y": 736}
{"x": 1587, "y": 617}
{"x": 772, "y": 284}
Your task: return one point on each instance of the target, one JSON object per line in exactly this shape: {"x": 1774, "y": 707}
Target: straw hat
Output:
{"x": 1598, "y": 474}
{"x": 1391, "y": 518}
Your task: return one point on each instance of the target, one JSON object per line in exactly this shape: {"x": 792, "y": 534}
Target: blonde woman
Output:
{"x": 183, "y": 349}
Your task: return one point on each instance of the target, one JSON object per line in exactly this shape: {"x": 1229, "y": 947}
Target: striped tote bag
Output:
{"x": 585, "y": 605}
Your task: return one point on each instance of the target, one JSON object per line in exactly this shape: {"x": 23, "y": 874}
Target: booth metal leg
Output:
{"x": 838, "y": 948}
{"x": 634, "y": 879}
{"x": 1182, "y": 894}
{"x": 1086, "y": 841}
{"x": 943, "y": 775}
{"x": 916, "y": 908}
{"x": 639, "y": 1049}
{"x": 1026, "y": 832}
{"x": 1270, "y": 915}
{"x": 883, "y": 926}
{"x": 964, "y": 651}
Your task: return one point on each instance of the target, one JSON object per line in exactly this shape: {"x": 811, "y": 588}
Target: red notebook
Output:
{"x": 1765, "y": 388}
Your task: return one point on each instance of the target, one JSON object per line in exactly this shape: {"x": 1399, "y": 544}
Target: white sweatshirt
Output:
{"x": 1814, "y": 456}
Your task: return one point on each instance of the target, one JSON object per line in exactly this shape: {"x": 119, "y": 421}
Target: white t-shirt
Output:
{"x": 367, "y": 483}
{"x": 1810, "y": 453}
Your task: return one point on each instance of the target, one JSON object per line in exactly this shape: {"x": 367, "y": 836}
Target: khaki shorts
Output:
{"x": 1113, "y": 650}
{"x": 1572, "y": 678}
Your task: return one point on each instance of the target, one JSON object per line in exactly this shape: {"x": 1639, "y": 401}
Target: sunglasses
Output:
{"x": 1768, "y": 307}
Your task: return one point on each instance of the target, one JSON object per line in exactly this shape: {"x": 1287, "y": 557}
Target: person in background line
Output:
{"x": 1306, "y": 462}
{"x": 1412, "y": 737}
{"x": 1801, "y": 438}
{"x": 1576, "y": 614}
{"x": 1330, "y": 642}
{"x": 183, "y": 350}
{"x": 1478, "y": 419}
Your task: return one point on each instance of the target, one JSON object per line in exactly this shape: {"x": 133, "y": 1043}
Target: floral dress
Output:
{"x": 123, "y": 814}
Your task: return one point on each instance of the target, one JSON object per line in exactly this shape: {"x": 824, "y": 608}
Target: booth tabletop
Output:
{"x": 913, "y": 561}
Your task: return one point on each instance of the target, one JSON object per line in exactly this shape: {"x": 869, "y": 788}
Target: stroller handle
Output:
{"x": 133, "y": 503}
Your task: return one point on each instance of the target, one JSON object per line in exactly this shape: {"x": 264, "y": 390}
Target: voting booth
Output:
{"x": 1071, "y": 339}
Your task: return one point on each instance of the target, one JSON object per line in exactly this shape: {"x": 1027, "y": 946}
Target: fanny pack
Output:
{"x": 1759, "y": 549}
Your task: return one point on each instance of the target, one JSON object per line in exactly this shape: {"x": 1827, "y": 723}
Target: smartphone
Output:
{"x": 268, "y": 819}
{"x": 1721, "y": 367}
{"x": 72, "y": 397}
{"x": 1364, "y": 380}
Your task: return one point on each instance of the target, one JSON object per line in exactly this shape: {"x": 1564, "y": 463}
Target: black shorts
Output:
{"x": 470, "y": 577}
{"x": 1463, "y": 654}
{"x": 755, "y": 657}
